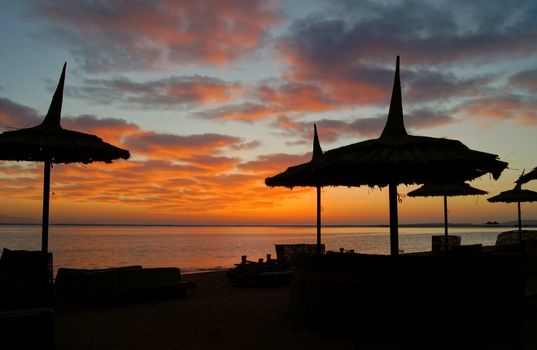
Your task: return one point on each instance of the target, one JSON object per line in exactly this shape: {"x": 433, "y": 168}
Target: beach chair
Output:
{"x": 120, "y": 285}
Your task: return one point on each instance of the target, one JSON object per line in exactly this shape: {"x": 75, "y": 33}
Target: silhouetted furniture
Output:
{"x": 409, "y": 295}
{"x": 271, "y": 271}
{"x": 513, "y": 237}
{"x": 438, "y": 243}
{"x": 288, "y": 252}
{"x": 27, "y": 329}
{"x": 25, "y": 279}
{"x": 120, "y": 285}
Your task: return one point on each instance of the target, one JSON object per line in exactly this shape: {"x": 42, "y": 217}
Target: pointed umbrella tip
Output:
{"x": 317, "y": 150}
{"x": 395, "y": 125}
{"x": 54, "y": 112}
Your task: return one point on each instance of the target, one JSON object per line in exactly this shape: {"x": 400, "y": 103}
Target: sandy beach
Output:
{"x": 215, "y": 316}
{"x": 219, "y": 315}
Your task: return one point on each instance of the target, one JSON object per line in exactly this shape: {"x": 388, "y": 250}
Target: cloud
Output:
{"x": 268, "y": 164}
{"x": 167, "y": 173}
{"x": 163, "y": 93}
{"x": 137, "y": 35}
{"x": 427, "y": 118}
{"x": 112, "y": 130}
{"x": 296, "y": 97}
{"x": 246, "y": 112}
{"x": 350, "y": 48}
{"x": 428, "y": 85}
{"x": 331, "y": 130}
{"x": 526, "y": 79}
{"x": 16, "y": 116}
{"x": 178, "y": 147}
{"x": 517, "y": 109}
{"x": 421, "y": 32}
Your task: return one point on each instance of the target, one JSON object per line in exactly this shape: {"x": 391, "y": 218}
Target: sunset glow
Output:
{"x": 212, "y": 97}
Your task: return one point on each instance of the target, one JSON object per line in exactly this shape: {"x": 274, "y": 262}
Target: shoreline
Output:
{"x": 412, "y": 225}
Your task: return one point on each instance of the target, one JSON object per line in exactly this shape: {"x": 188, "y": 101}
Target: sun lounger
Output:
{"x": 120, "y": 285}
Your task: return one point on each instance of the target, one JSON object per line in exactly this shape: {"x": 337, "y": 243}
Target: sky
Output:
{"x": 212, "y": 97}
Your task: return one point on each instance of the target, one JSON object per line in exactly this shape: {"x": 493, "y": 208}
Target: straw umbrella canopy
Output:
{"x": 445, "y": 190}
{"x": 392, "y": 159}
{"x": 316, "y": 155}
{"x": 49, "y": 143}
{"x": 516, "y": 195}
{"x": 532, "y": 175}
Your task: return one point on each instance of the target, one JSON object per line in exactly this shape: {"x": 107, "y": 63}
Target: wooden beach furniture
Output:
{"x": 120, "y": 284}
{"x": 272, "y": 271}
{"x": 460, "y": 294}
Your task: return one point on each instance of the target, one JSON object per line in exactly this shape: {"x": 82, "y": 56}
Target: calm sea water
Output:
{"x": 196, "y": 249}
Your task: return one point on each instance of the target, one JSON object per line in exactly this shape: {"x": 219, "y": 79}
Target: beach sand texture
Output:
{"x": 221, "y": 316}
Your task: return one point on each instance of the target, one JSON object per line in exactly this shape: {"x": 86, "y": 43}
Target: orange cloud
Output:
{"x": 295, "y": 97}
{"x": 515, "y": 109}
{"x": 162, "y": 93}
{"x": 140, "y": 35}
{"x": 247, "y": 112}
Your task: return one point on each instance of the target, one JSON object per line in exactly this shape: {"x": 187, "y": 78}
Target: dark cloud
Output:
{"x": 138, "y": 34}
{"x": 426, "y": 118}
{"x": 427, "y": 85}
{"x": 331, "y": 130}
{"x": 422, "y": 32}
{"x": 350, "y": 49}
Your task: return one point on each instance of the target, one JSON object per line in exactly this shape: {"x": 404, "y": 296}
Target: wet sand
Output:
{"x": 217, "y": 315}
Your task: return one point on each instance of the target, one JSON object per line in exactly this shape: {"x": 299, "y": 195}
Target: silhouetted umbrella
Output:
{"x": 394, "y": 158}
{"x": 445, "y": 190}
{"x": 316, "y": 155}
{"x": 516, "y": 195}
{"x": 532, "y": 175}
{"x": 48, "y": 142}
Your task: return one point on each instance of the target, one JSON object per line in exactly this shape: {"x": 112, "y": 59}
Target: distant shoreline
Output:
{"x": 500, "y": 225}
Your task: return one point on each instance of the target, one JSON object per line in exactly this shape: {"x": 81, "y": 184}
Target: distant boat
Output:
{"x": 492, "y": 223}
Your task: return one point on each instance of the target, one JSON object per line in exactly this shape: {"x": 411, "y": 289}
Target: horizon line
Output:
{"x": 430, "y": 224}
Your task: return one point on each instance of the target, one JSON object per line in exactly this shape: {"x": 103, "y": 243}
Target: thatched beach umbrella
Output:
{"x": 516, "y": 195}
{"x": 392, "y": 159}
{"x": 298, "y": 181}
{"x": 532, "y": 175}
{"x": 48, "y": 142}
{"x": 445, "y": 190}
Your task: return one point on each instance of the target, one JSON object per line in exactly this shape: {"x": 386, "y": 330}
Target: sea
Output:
{"x": 210, "y": 248}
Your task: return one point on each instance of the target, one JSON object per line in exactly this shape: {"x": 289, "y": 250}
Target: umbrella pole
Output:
{"x": 519, "y": 224}
{"x": 318, "y": 219}
{"x": 446, "y": 245}
{"x": 46, "y": 198}
{"x": 394, "y": 221}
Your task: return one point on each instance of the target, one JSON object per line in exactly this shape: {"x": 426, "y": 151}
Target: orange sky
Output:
{"x": 212, "y": 97}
